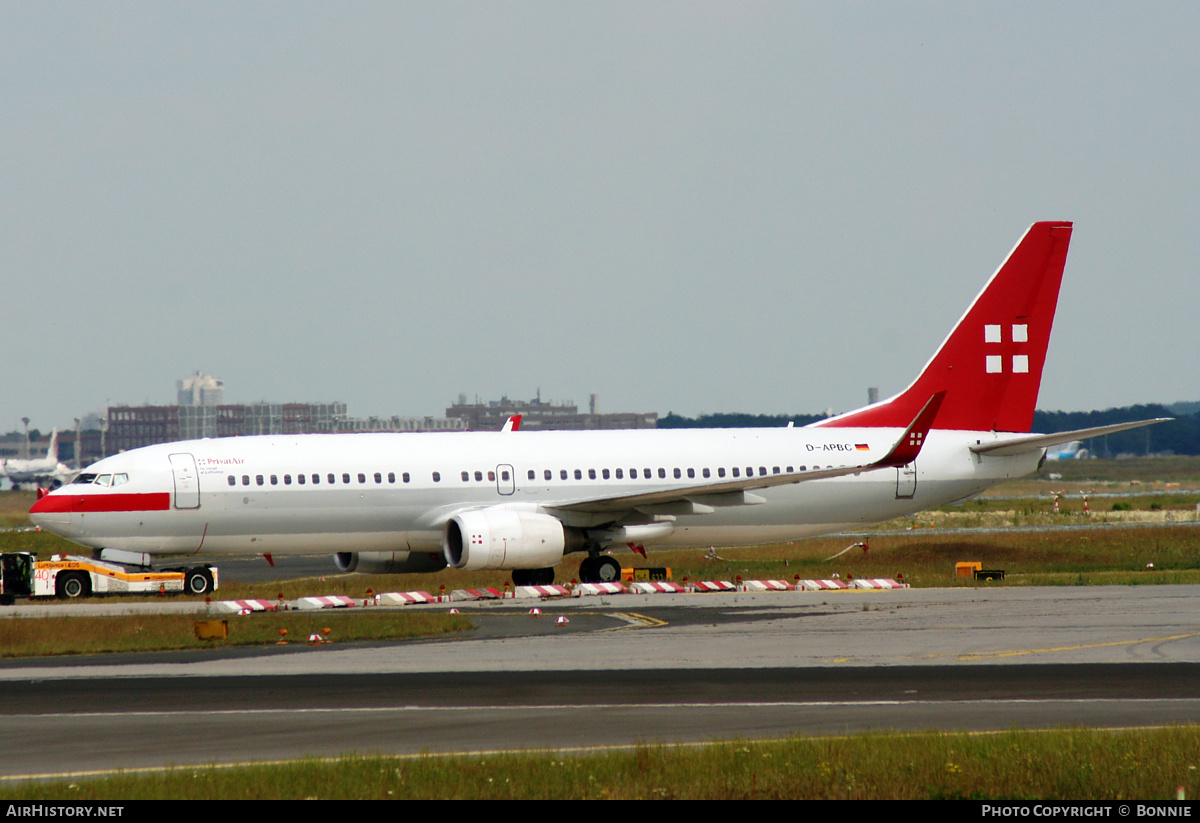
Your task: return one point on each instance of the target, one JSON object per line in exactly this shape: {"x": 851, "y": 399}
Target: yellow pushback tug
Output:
{"x": 70, "y": 576}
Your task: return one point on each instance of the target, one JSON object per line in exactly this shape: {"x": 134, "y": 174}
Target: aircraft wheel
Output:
{"x": 608, "y": 570}
{"x": 72, "y": 585}
{"x": 197, "y": 581}
{"x": 600, "y": 570}
{"x": 587, "y": 570}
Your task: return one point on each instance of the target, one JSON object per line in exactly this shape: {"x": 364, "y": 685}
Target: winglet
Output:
{"x": 512, "y": 424}
{"x": 909, "y": 445}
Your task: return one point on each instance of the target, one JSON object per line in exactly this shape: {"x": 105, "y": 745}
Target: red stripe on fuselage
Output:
{"x": 84, "y": 503}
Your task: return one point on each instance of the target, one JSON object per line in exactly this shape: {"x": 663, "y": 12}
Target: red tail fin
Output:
{"x": 990, "y": 367}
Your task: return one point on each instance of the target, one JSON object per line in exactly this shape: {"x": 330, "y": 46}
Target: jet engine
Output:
{"x": 389, "y": 562}
{"x": 500, "y": 538}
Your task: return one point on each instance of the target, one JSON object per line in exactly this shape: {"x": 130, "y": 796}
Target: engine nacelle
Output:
{"x": 503, "y": 539}
{"x": 389, "y": 562}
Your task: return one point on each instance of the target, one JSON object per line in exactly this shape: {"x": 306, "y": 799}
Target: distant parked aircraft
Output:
{"x": 41, "y": 471}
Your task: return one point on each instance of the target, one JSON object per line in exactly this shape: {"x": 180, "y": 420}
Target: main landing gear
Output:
{"x": 600, "y": 569}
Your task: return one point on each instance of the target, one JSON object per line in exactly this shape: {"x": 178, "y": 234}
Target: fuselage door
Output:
{"x": 187, "y": 482}
{"x": 506, "y": 479}
{"x": 906, "y": 481}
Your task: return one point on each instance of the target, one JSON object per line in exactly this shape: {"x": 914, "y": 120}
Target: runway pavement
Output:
{"x": 625, "y": 669}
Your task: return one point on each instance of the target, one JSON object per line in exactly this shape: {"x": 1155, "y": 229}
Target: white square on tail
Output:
{"x": 1020, "y": 363}
{"x": 995, "y": 363}
{"x": 1020, "y": 333}
{"x": 991, "y": 334}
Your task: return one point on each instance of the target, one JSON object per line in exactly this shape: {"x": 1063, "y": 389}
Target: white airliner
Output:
{"x": 38, "y": 470}
{"x": 520, "y": 500}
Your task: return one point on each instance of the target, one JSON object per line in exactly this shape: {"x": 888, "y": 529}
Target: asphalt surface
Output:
{"x": 650, "y": 668}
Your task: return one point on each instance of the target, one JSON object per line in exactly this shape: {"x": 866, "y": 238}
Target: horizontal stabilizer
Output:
{"x": 1033, "y": 442}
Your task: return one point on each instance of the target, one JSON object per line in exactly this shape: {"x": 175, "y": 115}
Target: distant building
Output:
{"x": 131, "y": 427}
{"x": 537, "y": 414}
{"x": 200, "y": 390}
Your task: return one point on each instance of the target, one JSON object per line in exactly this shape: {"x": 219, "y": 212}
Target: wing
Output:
{"x": 1033, "y": 442}
{"x": 703, "y": 498}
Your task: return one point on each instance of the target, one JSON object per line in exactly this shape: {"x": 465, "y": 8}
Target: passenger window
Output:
{"x": 578, "y": 474}
{"x": 465, "y": 477}
{"x": 245, "y": 479}
{"x": 274, "y": 480}
{"x": 762, "y": 470}
{"x": 391, "y": 477}
{"x": 316, "y": 479}
{"x": 479, "y": 475}
{"x": 548, "y": 474}
{"x": 678, "y": 474}
{"x": 362, "y": 478}
{"x": 691, "y": 472}
{"x": 378, "y": 477}
{"x": 735, "y": 472}
{"x": 504, "y": 475}
{"x": 604, "y": 473}
{"x": 287, "y": 480}
{"x": 406, "y": 478}
{"x": 437, "y": 477}
{"x": 620, "y": 475}
{"x": 662, "y": 472}
{"x": 562, "y": 474}
{"x": 300, "y": 479}
{"x": 492, "y": 477}
{"x": 532, "y": 474}
{"x": 232, "y": 479}
{"x": 259, "y": 479}
{"x": 345, "y": 477}
{"x": 706, "y": 474}
{"x": 591, "y": 474}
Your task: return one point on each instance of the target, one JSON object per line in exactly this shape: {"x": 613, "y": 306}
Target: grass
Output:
{"x": 44, "y": 636}
{"x": 1015, "y": 765}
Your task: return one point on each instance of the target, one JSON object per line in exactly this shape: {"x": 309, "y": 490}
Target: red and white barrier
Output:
{"x": 238, "y": 606}
{"x": 713, "y": 586}
{"x": 820, "y": 585}
{"x": 590, "y": 589}
{"x": 878, "y": 583}
{"x": 405, "y": 598}
{"x": 552, "y": 590}
{"x": 476, "y": 594}
{"x": 333, "y": 601}
{"x": 767, "y": 586}
{"x": 655, "y": 587}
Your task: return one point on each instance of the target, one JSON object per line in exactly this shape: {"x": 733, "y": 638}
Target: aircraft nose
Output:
{"x": 50, "y": 513}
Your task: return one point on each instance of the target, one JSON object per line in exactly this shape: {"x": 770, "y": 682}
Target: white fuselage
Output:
{"x": 394, "y": 492}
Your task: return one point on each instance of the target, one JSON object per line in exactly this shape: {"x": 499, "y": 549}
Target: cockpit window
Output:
{"x": 85, "y": 478}
{"x": 104, "y": 480}
{"x": 118, "y": 479}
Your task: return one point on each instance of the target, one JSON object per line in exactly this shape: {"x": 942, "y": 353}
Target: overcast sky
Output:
{"x": 681, "y": 206}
